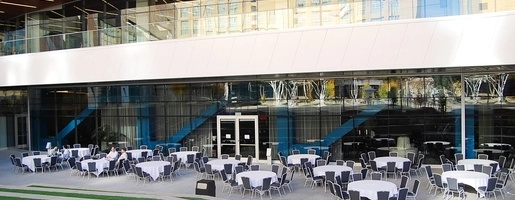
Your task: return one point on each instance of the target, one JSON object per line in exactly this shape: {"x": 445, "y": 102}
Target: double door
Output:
{"x": 237, "y": 134}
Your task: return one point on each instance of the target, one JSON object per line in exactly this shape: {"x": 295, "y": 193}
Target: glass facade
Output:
{"x": 95, "y": 23}
{"x": 344, "y": 113}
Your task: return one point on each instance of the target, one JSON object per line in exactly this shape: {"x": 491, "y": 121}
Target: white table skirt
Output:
{"x": 381, "y": 161}
{"x": 351, "y": 143}
{"x": 29, "y": 160}
{"x": 495, "y": 144}
{"x": 380, "y": 139}
{"x": 184, "y": 155}
{"x": 479, "y": 151}
{"x": 295, "y": 159}
{"x": 218, "y": 164}
{"x": 320, "y": 171}
{"x": 137, "y": 153}
{"x": 153, "y": 168}
{"x": 100, "y": 165}
{"x": 256, "y": 177}
{"x": 444, "y": 143}
{"x": 473, "y": 179}
{"x": 81, "y": 151}
{"x": 369, "y": 188}
{"x": 469, "y": 163}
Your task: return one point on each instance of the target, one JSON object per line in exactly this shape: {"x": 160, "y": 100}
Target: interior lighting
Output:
{"x": 17, "y": 4}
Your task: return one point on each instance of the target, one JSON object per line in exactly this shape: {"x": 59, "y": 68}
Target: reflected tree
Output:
{"x": 278, "y": 88}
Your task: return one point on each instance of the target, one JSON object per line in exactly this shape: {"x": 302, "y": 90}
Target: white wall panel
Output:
{"x": 387, "y": 44}
{"x": 360, "y": 46}
{"x": 415, "y": 44}
{"x": 420, "y": 43}
{"x": 308, "y": 50}
{"x": 239, "y": 56}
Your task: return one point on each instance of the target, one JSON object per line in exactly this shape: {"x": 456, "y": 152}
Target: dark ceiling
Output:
{"x": 8, "y": 10}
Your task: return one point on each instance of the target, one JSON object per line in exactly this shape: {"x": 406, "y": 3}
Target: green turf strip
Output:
{"x": 73, "y": 195}
{"x": 191, "y": 198}
{"x": 14, "y": 198}
{"x": 74, "y": 189}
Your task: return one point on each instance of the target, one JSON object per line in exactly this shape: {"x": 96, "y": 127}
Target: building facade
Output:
{"x": 238, "y": 77}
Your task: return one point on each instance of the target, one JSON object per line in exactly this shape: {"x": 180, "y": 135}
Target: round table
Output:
{"x": 218, "y": 164}
{"x": 473, "y": 179}
{"x": 137, "y": 153}
{"x": 81, "y": 151}
{"x": 256, "y": 177}
{"x": 469, "y": 163}
{"x": 295, "y": 159}
{"x": 29, "y": 160}
{"x": 491, "y": 144}
{"x": 184, "y": 155}
{"x": 381, "y": 161}
{"x": 369, "y": 188}
{"x": 444, "y": 143}
{"x": 351, "y": 143}
{"x": 153, "y": 168}
{"x": 496, "y": 151}
{"x": 100, "y": 165}
{"x": 320, "y": 171}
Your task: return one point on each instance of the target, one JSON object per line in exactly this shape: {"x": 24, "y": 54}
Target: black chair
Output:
{"x": 142, "y": 175}
{"x": 167, "y": 172}
{"x": 111, "y": 168}
{"x": 53, "y": 163}
{"x": 228, "y": 168}
{"x": 354, "y": 195}
{"x": 383, "y": 195}
{"x": 38, "y": 165}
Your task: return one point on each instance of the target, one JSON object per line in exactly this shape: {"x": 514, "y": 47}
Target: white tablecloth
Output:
{"x": 29, "y": 160}
{"x": 380, "y": 139}
{"x": 444, "y": 143}
{"x": 473, "y": 179}
{"x": 184, "y": 155}
{"x": 369, "y": 188}
{"x": 295, "y": 159}
{"x": 100, "y": 164}
{"x": 137, "y": 153}
{"x": 381, "y": 161}
{"x": 320, "y": 171}
{"x": 495, "y": 144}
{"x": 492, "y": 150}
{"x": 153, "y": 168}
{"x": 81, "y": 151}
{"x": 218, "y": 164}
{"x": 256, "y": 177}
{"x": 469, "y": 163}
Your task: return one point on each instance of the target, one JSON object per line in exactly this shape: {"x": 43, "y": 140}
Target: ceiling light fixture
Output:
{"x": 110, "y": 4}
{"x": 81, "y": 10}
{"x": 2, "y": 11}
{"x": 98, "y": 11}
{"x": 57, "y": 14}
{"x": 17, "y": 4}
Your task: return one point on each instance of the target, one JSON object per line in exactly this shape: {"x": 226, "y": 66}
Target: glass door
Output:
{"x": 20, "y": 130}
{"x": 238, "y": 134}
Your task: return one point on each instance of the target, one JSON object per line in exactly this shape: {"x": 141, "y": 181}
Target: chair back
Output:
{"x": 144, "y": 154}
{"x": 224, "y": 175}
{"x": 295, "y": 152}
{"x": 383, "y": 195}
{"x": 482, "y": 156}
{"x": 312, "y": 151}
{"x": 139, "y": 172}
{"x": 392, "y": 154}
{"x": 404, "y": 181}
{"x": 357, "y": 177}
{"x": 460, "y": 167}
{"x": 76, "y": 146}
{"x": 183, "y": 149}
{"x": 458, "y": 157}
{"x": 452, "y": 184}
{"x": 37, "y": 162}
{"x": 141, "y": 159}
{"x": 373, "y": 165}
{"x": 155, "y": 152}
{"x": 53, "y": 160}
{"x": 205, "y": 159}
{"x": 195, "y": 148}
{"x": 494, "y": 167}
{"x": 275, "y": 169}
{"x": 228, "y": 168}
{"x": 103, "y": 155}
{"x": 364, "y": 157}
{"x": 254, "y": 167}
{"x": 429, "y": 171}
{"x": 330, "y": 175}
{"x": 92, "y": 167}
{"x": 75, "y": 153}
{"x": 478, "y": 167}
{"x": 411, "y": 156}
{"x": 78, "y": 165}
{"x": 249, "y": 160}
{"x": 416, "y": 185}
{"x": 225, "y": 156}
{"x": 171, "y": 150}
{"x": 446, "y": 167}
{"x": 190, "y": 158}
{"x": 112, "y": 165}
{"x": 246, "y": 183}
{"x": 143, "y": 147}
{"x": 238, "y": 169}
{"x": 17, "y": 162}
{"x": 36, "y": 153}
{"x": 129, "y": 148}
{"x": 350, "y": 164}
{"x": 403, "y": 193}
{"x": 390, "y": 166}
{"x": 331, "y": 187}
{"x": 209, "y": 170}
{"x": 371, "y": 155}
{"x": 406, "y": 165}
{"x": 502, "y": 161}
{"x": 338, "y": 192}
{"x": 364, "y": 173}
{"x": 487, "y": 170}
{"x": 344, "y": 177}
{"x": 354, "y": 195}
{"x": 438, "y": 180}
{"x": 71, "y": 162}
{"x": 237, "y": 157}
{"x": 321, "y": 162}
{"x": 491, "y": 184}
{"x": 376, "y": 176}
{"x": 86, "y": 157}
{"x": 340, "y": 162}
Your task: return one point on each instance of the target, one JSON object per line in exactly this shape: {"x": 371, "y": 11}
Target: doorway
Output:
{"x": 237, "y": 134}
{"x": 21, "y": 131}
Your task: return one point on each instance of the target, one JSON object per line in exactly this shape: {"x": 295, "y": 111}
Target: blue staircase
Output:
{"x": 195, "y": 123}
{"x": 70, "y": 126}
{"x": 348, "y": 126}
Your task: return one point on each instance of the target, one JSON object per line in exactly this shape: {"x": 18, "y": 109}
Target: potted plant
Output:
{"x": 106, "y": 136}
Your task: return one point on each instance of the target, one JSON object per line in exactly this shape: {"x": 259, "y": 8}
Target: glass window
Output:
{"x": 233, "y": 22}
{"x": 233, "y": 6}
{"x": 196, "y": 11}
{"x": 300, "y": 20}
{"x": 222, "y": 23}
{"x": 301, "y": 3}
{"x": 185, "y": 30}
{"x": 210, "y": 8}
{"x": 325, "y": 2}
{"x": 195, "y": 27}
{"x": 184, "y": 12}
{"x": 222, "y": 9}
{"x": 315, "y": 19}
{"x": 315, "y": 2}
{"x": 376, "y": 7}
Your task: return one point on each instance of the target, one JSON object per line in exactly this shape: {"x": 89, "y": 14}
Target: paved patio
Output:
{"x": 184, "y": 186}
